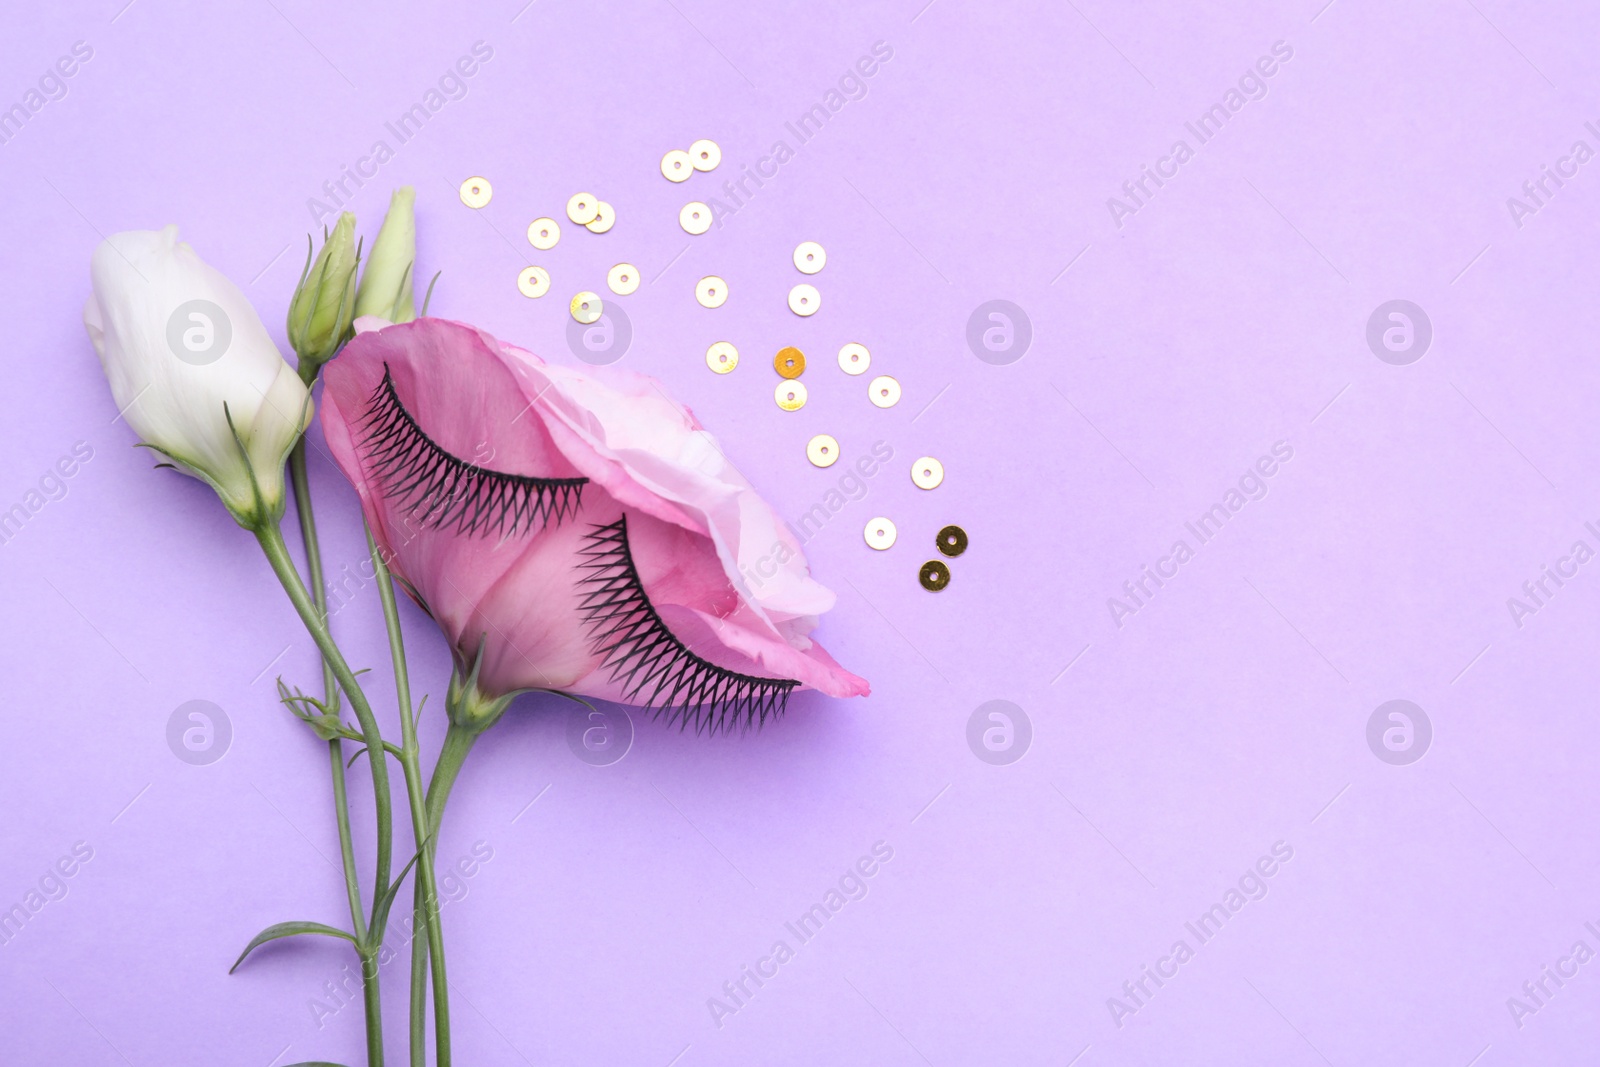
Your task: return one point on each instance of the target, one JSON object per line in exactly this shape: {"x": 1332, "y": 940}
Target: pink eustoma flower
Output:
{"x": 583, "y": 536}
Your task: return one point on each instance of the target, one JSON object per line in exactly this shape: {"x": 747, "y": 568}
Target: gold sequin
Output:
{"x": 880, "y": 533}
{"x": 722, "y": 357}
{"x": 952, "y": 541}
{"x": 695, "y": 218}
{"x": 476, "y": 192}
{"x": 804, "y": 299}
{"x": 789, "y": 362}
{"x": 809, "y": 257}
{"x": 544, "y": 233}
{"x": 676, "y": 166}
{"x": 884, "y": 391}
{"x": 711, "y": 291}
{"x": 854, "y": 358}
{"x": 623, "y": 278}
{"x": 586, "y": 307}
{"x": 823, "y": 450}
{"x": 605, "y": 217}
{"x": 705, "y": 155}
{"x": 534, "y": 281}
{"x": 934, "y": 575}
{"x": 927, "y": 472}
{"x": 791, "y": 396}
{"x": 582, "y": 208}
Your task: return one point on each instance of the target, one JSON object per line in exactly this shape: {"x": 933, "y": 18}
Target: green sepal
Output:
{"x": 326, "y": 724}
{"x": 428, "y": 296}
{"x": 468, "y": 706}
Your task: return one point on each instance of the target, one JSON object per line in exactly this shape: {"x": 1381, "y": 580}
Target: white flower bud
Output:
{"x": 193, "y": 370}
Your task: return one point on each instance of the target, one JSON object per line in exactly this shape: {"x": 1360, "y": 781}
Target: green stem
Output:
{"x": 425, "y": 895}
{"x": 373, "y": 1002}
{"x": 458, "y": 742}
{"x": 371, "y": 997}
{"x": 419, "y": 975}
{"x": 330, "y": 686}
{"x": 271, "y": 538}
{"x": 341, "y": 807}
{"x": 308, "y": 534}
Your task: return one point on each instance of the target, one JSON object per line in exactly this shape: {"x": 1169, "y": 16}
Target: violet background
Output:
{"x": 1228, "y": 714}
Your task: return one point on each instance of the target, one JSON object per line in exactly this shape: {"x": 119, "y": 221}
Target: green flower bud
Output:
{"x": 386, "y": 283}
{"x": 324, "y": 302}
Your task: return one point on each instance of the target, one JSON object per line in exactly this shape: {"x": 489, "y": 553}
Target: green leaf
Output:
{"x": 273, "y": 933}
{"x": 380, "y": 913}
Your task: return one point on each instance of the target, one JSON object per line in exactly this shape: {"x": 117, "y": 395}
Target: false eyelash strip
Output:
{"x": 649, "y": 660}
{"x": 440, "y": 491}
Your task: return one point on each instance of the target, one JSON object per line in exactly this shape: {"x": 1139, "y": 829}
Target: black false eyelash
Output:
{"x": 440, "y": 490}
{"x": 649, "y": 660}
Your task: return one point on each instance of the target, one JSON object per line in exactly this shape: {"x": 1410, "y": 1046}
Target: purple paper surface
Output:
{"x": 1432, "y": 875}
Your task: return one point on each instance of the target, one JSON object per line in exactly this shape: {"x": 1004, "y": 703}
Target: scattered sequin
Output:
{"x": 605, "y": 217}
{"x": 476, "y": 192}
{"x": 934, "y": 575}
{"x": 544, "y": 233}
{"x": 791, "y": 396}
{"x": 586, "y": 307}
{"x": 711, "y": 291}
{"x": 804, "y": 299}
{"x": 884, "y": 391}
{"x": 809, "y": 257}
{"x": 880, "y": 533}
{"x": 952, "y": 541}
{"x": 534, "y": 281}
{"x": 789, "y": 362}
{"x": 582, "y": 208}
{"x": 854, "y": 358}
{"x": 695, "y": 217}
{"x": 623, "y": 278}
{"x": 927, "y": 472}
{"x": 823, "y": 451}
{"x": 722, "y": 357}
{"x": 705, "y": 155}
{"x": 676, "y": 166}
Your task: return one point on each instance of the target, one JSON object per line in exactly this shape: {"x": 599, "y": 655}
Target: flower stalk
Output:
{"x": 270, "y": 537}
{"x": 371, "y": 997}
{"x": 427, "y": 934}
